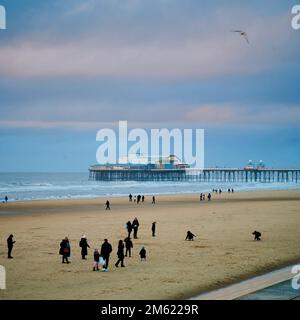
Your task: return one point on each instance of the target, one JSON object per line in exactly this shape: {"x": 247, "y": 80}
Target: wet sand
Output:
{"x": 223, "y": 252}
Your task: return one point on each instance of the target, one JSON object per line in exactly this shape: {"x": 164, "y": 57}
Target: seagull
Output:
{"x": 242, "y": 33}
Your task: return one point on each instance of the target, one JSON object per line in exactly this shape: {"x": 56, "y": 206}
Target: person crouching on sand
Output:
{"x": 96, "y": 260}
{"x": 189, "y": 236}
{"x": 257, "y": 235}
{"x": 143, "y": 253}
{"x": 65, "y": 250}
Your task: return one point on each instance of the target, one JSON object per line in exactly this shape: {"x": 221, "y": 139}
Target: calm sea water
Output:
{"x": 37, "y": 186}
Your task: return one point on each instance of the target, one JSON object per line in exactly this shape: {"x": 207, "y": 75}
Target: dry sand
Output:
{"x": 223, "y": 253}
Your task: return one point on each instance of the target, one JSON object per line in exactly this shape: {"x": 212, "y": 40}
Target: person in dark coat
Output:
{"x": 128, "y": 246}
{"x": 84, "y": 247}
{"x": 209, "y": 197}
{"x": 138, "y": 199}
{"x": 130, "y": 197}
{"x": 106, "y": 250}
{"x": 135, "y": 226}
{"x": 190, "y": 236}
{"x": 129, "y": 228}
{"x": 107, "y": 205}
{"x": 153, "y": 228}
{"x": 153, "y": 200}
{"x": 143, "y": 198}
{"x": 6, "y": 199}
{"x": 10, "y": 245}
{"x": 257, "y": 235}
{"x": 65, "y": 250}
{"x": 143, "y": 253}
{"x": 120, "y": 254}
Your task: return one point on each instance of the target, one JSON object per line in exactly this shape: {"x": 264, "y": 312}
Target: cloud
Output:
{"x": 241, "y": 115}
{"x": 170, "y": 54}
{"x": 170, "y": 114}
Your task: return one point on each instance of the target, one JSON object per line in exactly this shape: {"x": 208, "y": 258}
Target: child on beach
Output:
{"x": 143, "y": 253}
{"x": 96, "y": 260}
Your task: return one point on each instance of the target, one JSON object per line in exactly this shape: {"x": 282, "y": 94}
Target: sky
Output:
{"x": 71, "y": 68}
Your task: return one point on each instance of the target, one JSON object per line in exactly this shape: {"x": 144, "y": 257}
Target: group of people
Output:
{"x": 137, "y": 199}
{"x": 202, "y": 197}
{"x": 217, "y": 191}
{"x": 133, "y": 226}
{"x": 102, "y": 257}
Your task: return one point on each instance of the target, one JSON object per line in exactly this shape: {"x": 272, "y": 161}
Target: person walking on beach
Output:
{"x": 143, "y": 253}
{"x": 128, "y": 246}
{"x": 257, "y": 235}
{"x": 232, "y": 191}
{"x": 135, "y": 226}
{"x": 96, "y": 260}
{"x": 65, "y": 250}
{"x": 209, "y": 197}
{"x": 201, "y": 196}
{"x": 138, "y": 199}
{"x": 10, "y": 245}
{"x": 106, "y": 250}
{"x": 107, "y": 205}
{"x": 143, "y": 198}
{"x": 120, "y": 254}
{"x": 6, "y": 199}
{"x": 130, "y": 197}
{"x": 190, "y": 236}
{"x": 153, "y": 200}
{"x": 153, "y": 228}
{"x": 84, "y": 247}
{"x": 129, "y": 228}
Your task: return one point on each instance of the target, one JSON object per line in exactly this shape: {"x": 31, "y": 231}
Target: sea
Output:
{"x": 45, "y": 186}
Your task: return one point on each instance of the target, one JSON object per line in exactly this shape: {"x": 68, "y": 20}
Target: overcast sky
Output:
{"x": 70, "y": 68}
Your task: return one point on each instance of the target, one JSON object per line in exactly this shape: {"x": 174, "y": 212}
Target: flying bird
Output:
{"x": 243, "y": 34}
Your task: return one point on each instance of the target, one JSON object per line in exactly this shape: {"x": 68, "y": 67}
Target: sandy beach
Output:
{"x": 223, "y": 252}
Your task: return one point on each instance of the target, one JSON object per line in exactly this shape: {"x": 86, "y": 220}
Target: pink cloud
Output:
{"x": 200, "y": 55}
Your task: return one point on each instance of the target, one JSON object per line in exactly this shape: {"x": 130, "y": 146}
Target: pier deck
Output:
{"x": 205, "y": 175}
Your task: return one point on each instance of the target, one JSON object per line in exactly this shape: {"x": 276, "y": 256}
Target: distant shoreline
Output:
{"x": 148, "y": 194}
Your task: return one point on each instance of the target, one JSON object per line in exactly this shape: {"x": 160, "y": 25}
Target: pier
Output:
{"x": 264, "y": 175}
